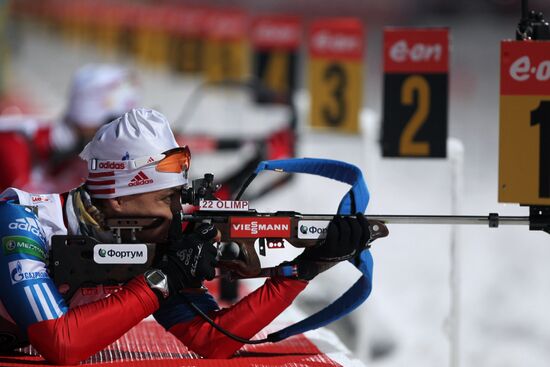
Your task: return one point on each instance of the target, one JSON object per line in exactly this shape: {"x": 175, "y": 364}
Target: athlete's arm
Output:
{"x": 61, "y": 335}
{"x": 245, "y": 319}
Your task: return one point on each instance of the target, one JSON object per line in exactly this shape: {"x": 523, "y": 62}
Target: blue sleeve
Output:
{"x": 28, "y": 292}
{"x": 176, "y": 309}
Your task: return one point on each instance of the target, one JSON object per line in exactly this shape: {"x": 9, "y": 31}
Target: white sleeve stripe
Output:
{"x": 43, "y": 302}
{"x": 34, "y": 306}
{"x": 48, "y": 292}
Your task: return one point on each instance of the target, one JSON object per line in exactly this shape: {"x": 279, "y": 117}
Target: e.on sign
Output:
{"x": 336, "y": 47}
{"x": 524, "y": 153}
{"x": 275, "y": 42}
{"x": 416, "y": 66}
{"x": 225, "y": 56}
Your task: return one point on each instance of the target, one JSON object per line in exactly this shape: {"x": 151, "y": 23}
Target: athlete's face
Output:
{"x": 158, "y": 204}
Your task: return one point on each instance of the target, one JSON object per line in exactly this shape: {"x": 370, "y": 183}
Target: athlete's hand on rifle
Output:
{"x": 346, "y": 238}
{"x": 190, "y": 258}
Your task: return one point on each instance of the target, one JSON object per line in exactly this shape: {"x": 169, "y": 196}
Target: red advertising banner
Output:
{"x": 187, "y": 21}
{"x": 417, "y": 50}
{"x": 258, "y": 227}
{"x": 276, "y": 31}
{"x": 228, "y": 25}
{"x": 341, "y": 38}
{"x": 525, "y": 68}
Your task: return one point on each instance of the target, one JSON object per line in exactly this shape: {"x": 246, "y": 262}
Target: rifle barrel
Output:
{"x": 492, "y": 220}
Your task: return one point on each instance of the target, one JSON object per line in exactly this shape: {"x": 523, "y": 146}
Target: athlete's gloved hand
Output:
{"x": 190, "y": 258}
{"x": 346, "y": 238}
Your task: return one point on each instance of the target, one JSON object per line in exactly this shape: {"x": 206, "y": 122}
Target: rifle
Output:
{"x": 248, "y": 235}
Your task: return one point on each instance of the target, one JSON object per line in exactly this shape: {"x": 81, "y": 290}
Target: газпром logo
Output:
{"x": 24, "y": 270}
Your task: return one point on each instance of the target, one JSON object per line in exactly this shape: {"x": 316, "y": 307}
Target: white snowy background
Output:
{"x": 503, "y": 277}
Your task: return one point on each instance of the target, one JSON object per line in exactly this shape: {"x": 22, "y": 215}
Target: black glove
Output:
{"x": 346, "y": 238}
{"x": 190, "y": 258}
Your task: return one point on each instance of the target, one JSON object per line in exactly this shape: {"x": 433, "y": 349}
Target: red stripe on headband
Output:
{"x": 100, "y": 183}
{"x": 101, "y": 174}
{"x": 101, "y": 191}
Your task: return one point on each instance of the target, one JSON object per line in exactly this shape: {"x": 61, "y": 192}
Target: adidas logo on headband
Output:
{"x": 140, "y": 179}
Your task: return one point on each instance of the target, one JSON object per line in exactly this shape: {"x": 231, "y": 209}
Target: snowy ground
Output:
{"x": 503, "y": 281}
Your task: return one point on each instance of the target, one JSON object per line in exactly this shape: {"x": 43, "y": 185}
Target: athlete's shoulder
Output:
{"x": 27, "y": 198}
{"x": 17, "y": 219}
{"x": 42, "y": 212}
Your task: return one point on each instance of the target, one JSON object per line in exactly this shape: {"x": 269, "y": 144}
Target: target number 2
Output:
{"x": 415, "y": 85}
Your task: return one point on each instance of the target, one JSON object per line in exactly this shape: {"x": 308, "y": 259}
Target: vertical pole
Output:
{"x": 456, "y": 154}
{"x": 524, "y": 9}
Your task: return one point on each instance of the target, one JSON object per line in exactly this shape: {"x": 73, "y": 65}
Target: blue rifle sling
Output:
{"x": 355, "y": 200}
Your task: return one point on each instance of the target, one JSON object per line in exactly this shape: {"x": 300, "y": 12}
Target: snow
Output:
{"x": 503, "y": 279}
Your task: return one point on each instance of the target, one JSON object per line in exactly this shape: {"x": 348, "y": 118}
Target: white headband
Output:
{"x": 112, "y": 178}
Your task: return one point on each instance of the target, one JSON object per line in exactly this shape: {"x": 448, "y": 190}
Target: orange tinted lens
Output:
{"x": 175, "y": 162}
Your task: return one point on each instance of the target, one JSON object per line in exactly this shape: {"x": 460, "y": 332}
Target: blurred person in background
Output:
{"x": 42, "y": 156}
{"x": 136, "y": 169}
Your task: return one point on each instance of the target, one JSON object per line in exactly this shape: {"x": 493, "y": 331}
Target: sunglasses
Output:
{"x": 176, "y": 160}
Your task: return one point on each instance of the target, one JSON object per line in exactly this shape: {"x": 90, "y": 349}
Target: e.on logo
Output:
{"x": 522, "y": 69}
{"x": 417, "y": 52}
{"x": 226, "y": 25}
{"x": 276, "y": 33}
{"x": 339, "y": 43}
